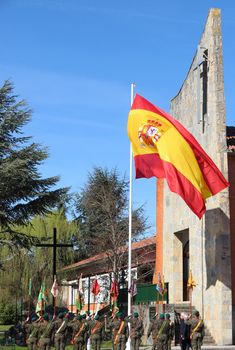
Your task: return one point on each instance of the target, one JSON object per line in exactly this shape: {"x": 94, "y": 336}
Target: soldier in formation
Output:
{"x": 197, "y": 330}
{"x": 32, "y": 332}
{"x": 96, "y": 332}
{"x": 46, "y": 330}
{"x": 160, "y": 329}
{"x": 120, "y": 332}
{"x": 137, "y": 330}
{"x": 80, "y": 330}
{"x": 171, "y": 331}
{"x": 60, "y": 328}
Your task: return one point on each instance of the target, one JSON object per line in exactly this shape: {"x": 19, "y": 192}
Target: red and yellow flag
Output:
{"x": 191, "y": 283}
{"x": 163, "y": 148}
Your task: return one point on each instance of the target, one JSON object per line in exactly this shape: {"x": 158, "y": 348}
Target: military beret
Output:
{"x": 167, "y": 316}
{"x": 45, "y": 317}
{"x": 61, "y": 315}
{"x": 135, "y": 314}
{"x": 88, "y": 312}
{"x": 84, "y": 316}
{"x": 196, "y": 313}
{"x": 97, "y": 317}
{"x": 161, "y": 316}
{"x": 79, "y": 317}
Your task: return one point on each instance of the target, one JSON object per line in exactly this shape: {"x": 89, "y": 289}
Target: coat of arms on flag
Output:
{"x": 163, "y": 148}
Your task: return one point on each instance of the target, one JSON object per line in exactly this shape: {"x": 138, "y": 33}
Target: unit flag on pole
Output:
{"x": 163, "y": 148}
{"x": 95, "y": 288}
{"x": 133, "y": 288}
{"x": 80, "y": 295}
{"x": 114, "y": 292}
{"x": 55, "y": 289}
{"x": 191, "y": 283}
{"x": 42, "y": 299}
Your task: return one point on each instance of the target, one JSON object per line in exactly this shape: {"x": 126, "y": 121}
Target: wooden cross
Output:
{"x": 54, "y": 245}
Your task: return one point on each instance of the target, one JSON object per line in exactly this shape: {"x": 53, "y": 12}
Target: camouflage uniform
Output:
{"x": 160, "y": 332}
{"x": 137, "y": 330}
{"x": 46, "y": 330}
{"x": 60, "y": 327}
{"x": 96, "y": 333}
{"x": 32, "y": 337}
{"x": 197, "y": 335}
{"x": 79, "y": 330}
{"x": 120, "y": 333}
{"x": 171, "y": 332}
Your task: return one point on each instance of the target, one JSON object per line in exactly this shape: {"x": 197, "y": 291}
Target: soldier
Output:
{"x": 60, "y": 327}
{"x": 46, "y": 330}
{"x": 32, "y": 337}
{"x": 79, "y": 334}
{"x": 171, "y": 331}
{"x": 27, "y": 325}
{"x": 197, "y": 330}
{"x": 160, "y": 332}
{"x": 120, "y": 332}
{"x": 137, "y": 330}
{"x": 87, "y": 330}
{"x": 96, "y": 333}
{"x": 112, "y": 326}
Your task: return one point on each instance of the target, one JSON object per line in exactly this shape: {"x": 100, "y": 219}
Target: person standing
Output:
{"x": 160, "y": 332}
{"x": 87, "y": 330}
{"x": 79, "y": 333}
{"x": 32, "y": 337}
{"x": 171, "y": 331}
{"x": 96, "y": 333}
{"x": 137, "y": 330}
{"x": 197, "y": 331}
{"x": 60, "y": 327}
{"x": 185, "y": 342}
{"x": 46, "y": 330}
{"x": 120, "y": 333}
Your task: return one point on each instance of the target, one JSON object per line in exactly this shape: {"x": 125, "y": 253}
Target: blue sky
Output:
{"x": 74, "y": 60}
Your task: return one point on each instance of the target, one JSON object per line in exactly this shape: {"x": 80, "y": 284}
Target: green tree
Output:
{"x": 36, "y": 263}
{"x": 102, "y": 215}
{"x": 23, "y": 191}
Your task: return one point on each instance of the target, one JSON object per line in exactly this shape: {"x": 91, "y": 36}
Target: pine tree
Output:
{"x": 102, "y": 215}
{"x": 23, "y": 191}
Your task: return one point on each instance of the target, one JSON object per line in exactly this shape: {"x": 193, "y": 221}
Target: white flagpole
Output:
{"x": 128, "y": 345}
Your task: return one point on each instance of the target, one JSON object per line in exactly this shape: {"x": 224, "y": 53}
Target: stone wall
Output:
{"x": 200, "y": 107}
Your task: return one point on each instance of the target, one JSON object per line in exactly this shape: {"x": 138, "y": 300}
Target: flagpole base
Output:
{"x": 128, "y": 344}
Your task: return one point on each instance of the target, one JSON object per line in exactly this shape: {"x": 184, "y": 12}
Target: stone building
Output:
{"x": 184, "y": 242}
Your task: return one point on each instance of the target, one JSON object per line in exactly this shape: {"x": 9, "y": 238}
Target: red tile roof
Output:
{"x": 99, "y": 257}
{"x": 230, "y": 138}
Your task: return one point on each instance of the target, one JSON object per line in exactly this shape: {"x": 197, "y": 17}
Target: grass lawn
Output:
{"x": 68, "y": 347}
{"x": 5, "y": 327}
{"x": 105, "y": 344}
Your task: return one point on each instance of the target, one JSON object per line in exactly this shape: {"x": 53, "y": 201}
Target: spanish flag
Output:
{"x": 163, "y": 148}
